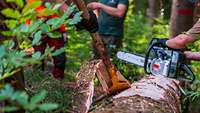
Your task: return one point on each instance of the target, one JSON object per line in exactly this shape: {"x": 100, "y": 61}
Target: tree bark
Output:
{"x": 152, "y": 94}
{"x": 149, "y": 95}
{"x": 154, "y": 10}
{"x": 166, "y": 6}
{"x": 181, "y": 17}
{"x": 140, "y": 6}
{"x": 84, "y": 91}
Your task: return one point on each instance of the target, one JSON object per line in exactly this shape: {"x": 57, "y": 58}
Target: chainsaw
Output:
{"x": 161, "y": 60}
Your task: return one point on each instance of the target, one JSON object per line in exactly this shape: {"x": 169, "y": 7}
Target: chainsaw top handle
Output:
{"x": 154, "y": 42}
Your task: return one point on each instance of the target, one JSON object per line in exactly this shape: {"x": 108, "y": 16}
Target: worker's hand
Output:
{"x": 30, "y": 51}
{"x": 180, "y": 41}
{"x": 90, "y": 25}
{"x": 94, "y": 5}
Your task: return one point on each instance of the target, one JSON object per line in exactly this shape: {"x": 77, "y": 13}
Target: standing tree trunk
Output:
{"x": 154, "y": 10}
{"x": 139, "y": 6}
{"x": 181, "y": 17}
{"x": 166, "y": 6}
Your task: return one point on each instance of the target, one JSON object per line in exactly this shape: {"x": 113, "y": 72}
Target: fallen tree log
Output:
{"x": 151, "y": 94}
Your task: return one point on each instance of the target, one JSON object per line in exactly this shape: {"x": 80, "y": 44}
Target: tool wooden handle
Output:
{"x": 95, "y": 36}
{"x": 81, "y": 5}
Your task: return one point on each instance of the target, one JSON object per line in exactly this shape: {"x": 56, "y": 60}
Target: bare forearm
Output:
{"x": 113, "y": 11}
{"x": 195, "y": 30}
{"x": 192, "y": 55}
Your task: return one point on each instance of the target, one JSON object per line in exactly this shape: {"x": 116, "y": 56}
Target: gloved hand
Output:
{"x": 162, "y": 41}
{"x": 90, "y": 25}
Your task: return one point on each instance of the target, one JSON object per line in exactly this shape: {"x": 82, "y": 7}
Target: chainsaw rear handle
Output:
{"x": 188, "y": 70}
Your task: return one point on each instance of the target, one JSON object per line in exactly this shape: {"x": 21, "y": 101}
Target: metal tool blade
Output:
{"x": 131, "y": 58}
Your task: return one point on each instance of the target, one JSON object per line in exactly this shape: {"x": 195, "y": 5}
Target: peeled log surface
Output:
{"x": 149, "y": 95}
{"x": 82, "y": 98}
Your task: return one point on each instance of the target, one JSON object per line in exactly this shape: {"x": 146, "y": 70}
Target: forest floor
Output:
{"x": 59, "y": 91}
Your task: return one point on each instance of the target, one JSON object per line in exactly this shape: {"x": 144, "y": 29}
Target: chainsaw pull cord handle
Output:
{"x": 188, "y": 70}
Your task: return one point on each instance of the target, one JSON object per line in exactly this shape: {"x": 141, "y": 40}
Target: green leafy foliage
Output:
{"x": 48, "y": 106}
{"x": 54, "y": 34}
{"x": 78, "y": 50}
{"x": 11, "y": 23}
{"x": 194, "y": 95}
{"x": 37, "y": 38}
{"x": 39, "y": 97}
{"x": 10, "y": 108}
{"x": 8, "y": 12}
{"x": 12, "y": 59}
{"x": 28, "y": 34}
{"x": 19, "y": 3}
{"x": 37, "y": 27}
{"x": 20, "y": 99}
{"x": 36, "y": 55}
{"x": 58, "y": 51}
{"x": 29, "y": 8}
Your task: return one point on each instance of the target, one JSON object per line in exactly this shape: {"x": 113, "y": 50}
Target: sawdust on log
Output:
{"x": 83, "y": 94}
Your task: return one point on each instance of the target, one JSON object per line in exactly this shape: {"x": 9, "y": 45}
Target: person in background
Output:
{"x": 111, "y": 15}
{"x": 57, "y": 43}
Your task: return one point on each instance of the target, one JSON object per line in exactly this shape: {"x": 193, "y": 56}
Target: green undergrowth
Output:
{"x": 58, "y": 92}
